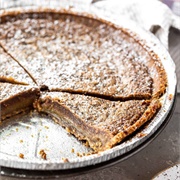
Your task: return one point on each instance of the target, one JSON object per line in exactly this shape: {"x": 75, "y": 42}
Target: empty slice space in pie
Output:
{"x": 102, "y": 123}
{"x": 72, "y": 53}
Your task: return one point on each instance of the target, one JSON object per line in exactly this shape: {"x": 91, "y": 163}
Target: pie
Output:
{"x": 97, "y": 80}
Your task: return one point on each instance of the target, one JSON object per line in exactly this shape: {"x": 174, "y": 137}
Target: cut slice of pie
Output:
{"x": 102, "y": 123}
{"x": 83, "y": 55}
{"x": 15, "y": 99}
{"x": 11, "y": 71}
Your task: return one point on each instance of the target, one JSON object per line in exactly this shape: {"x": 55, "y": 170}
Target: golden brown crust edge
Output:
{"x": 150, "y": 112}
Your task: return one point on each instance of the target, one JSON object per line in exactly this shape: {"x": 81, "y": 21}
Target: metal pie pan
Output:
{"x": 28, "y": 137}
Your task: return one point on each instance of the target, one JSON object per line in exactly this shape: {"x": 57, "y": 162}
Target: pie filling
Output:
{"x": 16, "y": 99}
{"x": 96, "y": 80}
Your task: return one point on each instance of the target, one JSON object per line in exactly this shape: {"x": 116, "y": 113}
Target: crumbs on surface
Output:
{"x": 65, "y": 160}
{"x": 170, "y": 97}
{"x": 21, "y": 155}
{"x": 43, "y": 154}
{"x": 21, "y": 141}
{"x": 72, "y": 150}
{"x": 139, "y": 135}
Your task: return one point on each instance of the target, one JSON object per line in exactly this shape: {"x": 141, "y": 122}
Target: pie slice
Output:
{"x": 15, "y": 99}
{"x": 11, "y": 71}
{"x": 78, "y": 54}
{"x": 102, "y": 123}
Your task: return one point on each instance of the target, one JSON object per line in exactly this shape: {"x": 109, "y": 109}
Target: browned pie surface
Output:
{"x": 71, "y": 53}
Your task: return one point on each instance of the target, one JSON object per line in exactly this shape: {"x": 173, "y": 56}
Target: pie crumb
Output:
{"x": 21, "y": 155}
{"x": 170, "y": 97}
{"x": 43, "y": 154}
{"x": 72, "y": 150}
{"x": 65, "y": 159}
{"x": 79, "y": 154}
{"x": 141, "y": 135}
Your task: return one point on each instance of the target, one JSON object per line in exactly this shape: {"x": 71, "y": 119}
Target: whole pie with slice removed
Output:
{"x": 94, "y": 78}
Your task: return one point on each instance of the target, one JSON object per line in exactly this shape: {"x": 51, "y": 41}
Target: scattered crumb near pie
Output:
{"x": 43, "y": 154}
{"x": 27, "y": 127}
{"x": 21, "y": 141}
{"x": 72, "y": 150}
{"x": 86, "y": 144}
{"x": 68, "y": 130}
{"x": 32, "y": 135}
{"x": 79, "y": 154}
{"x": 21, "y": 155}
{"x": 84, "y": 154}
{"x": 141, "y": 135}
{"x": 170, "y": 97}
{"x": 65, "y": 160}
{"x": 17, "y": 129}
{"x": 90, "y": 153}
{"x": 9, "y": 134}
{"x": 46, "y": 127}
